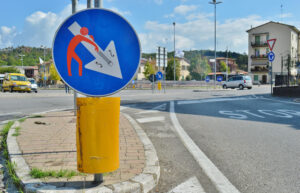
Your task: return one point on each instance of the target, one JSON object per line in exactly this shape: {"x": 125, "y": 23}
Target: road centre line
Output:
{"x": 211, "y": 100}
{"x": 222, "y": 184}
{"x": 151, "y": 119}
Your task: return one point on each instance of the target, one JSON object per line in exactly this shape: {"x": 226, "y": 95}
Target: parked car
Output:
{"x": 240, "y": 82}
{"x": 34, "y": 85}
{"x": 16, "y": 82}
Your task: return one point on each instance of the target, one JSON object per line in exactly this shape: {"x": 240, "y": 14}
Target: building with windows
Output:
{"x": 184, "y": 68}
{"x": 231, "y": 62}
{"x": 287, "y": 44}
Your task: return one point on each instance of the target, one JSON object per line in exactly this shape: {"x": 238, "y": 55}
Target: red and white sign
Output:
{"x": 271, "y": 43}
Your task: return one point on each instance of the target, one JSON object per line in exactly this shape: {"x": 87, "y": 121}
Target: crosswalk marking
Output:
{"x": 151, "y": 119}
{"x": 192, "y": 185}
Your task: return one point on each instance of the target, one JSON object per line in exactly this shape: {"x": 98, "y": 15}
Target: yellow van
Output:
{"x": 16, "y": 82}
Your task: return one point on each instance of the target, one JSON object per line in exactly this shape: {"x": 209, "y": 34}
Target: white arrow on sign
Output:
{"x": 106, "y": 61}
{"x": 192, "y": 185}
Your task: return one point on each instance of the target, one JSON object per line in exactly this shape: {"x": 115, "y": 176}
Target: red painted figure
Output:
{"x": 73, "y": 44}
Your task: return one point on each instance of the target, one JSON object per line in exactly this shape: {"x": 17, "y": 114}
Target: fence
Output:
{"x": 287, "y": 80}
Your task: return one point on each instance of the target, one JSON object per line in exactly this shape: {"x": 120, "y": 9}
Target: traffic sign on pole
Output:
{"x": 207, "y": 79}
{"x": 271, "y": 43}
{"x": 96, "y": 52}
{"x": 219, "y": 78}
{"x": 159, "y": 75}
{"x": 271, "y": 56}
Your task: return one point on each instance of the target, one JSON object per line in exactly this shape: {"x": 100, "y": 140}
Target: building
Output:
{"x": 287, "y": 43}
{"x": 230, "y": 61}
{"x": 184, "y": 68}
{"x": 140, "y": 73}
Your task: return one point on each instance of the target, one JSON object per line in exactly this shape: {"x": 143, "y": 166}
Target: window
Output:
{"x": 268, "y": 37}
{"x": 256, "y": 52}
{"x": 182, "y": 67}
{"x": 257, "y": 39}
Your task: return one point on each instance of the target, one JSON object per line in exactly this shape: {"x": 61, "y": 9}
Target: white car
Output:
{"x": 33, "y": 85}
{"x": 240, "y": 82}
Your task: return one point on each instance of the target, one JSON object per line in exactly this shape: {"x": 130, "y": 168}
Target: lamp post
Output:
{"x": 44, "y": 81}
{"x": 215, "y": 5}
{"x": 21, "y": 55}
{"x": 174, "y": 53}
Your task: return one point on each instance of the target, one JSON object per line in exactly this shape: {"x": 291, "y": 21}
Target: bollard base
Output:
{"x": 98, "y": 179}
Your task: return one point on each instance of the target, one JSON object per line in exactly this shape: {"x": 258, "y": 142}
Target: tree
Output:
{"x": 199, "y": 68}
{"x": 223, "y": 67}
{"x": 4, "y": 70}
{"x": 149, "y": 69}
{"x": 53, "y": 74}
{"x": 170, "y": 70}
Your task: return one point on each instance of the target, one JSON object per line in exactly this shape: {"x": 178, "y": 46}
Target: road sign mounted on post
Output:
{"x": 207, "y": 79}
{"x": 271, "y": 56}
{"x": 271, "y": 43}
{"x": 96, "y": 52}
{"x": 159, "y": 75}
{"x": 219, "y": 78}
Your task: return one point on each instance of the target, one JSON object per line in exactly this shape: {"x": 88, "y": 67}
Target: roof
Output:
{"x": 290, "y": 26}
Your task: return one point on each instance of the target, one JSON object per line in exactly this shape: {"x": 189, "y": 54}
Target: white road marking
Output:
{"x": 148, "y": 111}
{"x": 294, "y": 103}
{"x": 211, "y": 100}
{"x": 248, "y": 112}
{"x": 160, "y": 107}
{"x": 222, "y": 184}
{"x": 275, "y": 113}
{"x": 151, "y": 119}
{"x": 192, "y": 185}
{"x": 233, "y": 115}
{"x": 12, "y": 113}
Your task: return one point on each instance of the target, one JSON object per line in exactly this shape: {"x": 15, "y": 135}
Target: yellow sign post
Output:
{"x": 97, "y": 134}
{"x": 159, "y": 85}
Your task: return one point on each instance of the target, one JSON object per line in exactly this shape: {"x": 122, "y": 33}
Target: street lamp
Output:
{"x": 215, "y": 4}
{"x": 174, "y": 53}
{"x": 21, "y": 55}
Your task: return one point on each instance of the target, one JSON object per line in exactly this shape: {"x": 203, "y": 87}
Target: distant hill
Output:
{"x": 241, "y": 59}
{"x": 11, "y": 56}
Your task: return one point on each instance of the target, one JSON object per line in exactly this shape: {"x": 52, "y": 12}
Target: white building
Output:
{"x": 287, "y": 43}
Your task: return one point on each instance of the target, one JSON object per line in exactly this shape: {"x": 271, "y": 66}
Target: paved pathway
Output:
{"x": 49, "y": 143}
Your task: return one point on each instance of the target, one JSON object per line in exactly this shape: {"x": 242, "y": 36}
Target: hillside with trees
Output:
{"x": 11, "y": 56}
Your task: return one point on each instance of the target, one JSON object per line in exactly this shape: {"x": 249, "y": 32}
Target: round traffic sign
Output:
{"x": 219, "y": 78}
{"x": 271, "y": 56}
{"x": 159, "y": 75}
{"x": 207, "y": 79}
{"x": 96, "y": 52}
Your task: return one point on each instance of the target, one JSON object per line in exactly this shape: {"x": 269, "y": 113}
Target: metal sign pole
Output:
{"x": 164, "y": 74}
{"x": 74, "y": 9}
{"x": 98, "y": 178}
{"x": 271, "y": 78}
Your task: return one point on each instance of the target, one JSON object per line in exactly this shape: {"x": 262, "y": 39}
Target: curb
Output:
{"x": 141, "y": 183}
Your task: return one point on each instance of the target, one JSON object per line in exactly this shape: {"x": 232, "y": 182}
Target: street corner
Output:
{"x": 44, "y": 150}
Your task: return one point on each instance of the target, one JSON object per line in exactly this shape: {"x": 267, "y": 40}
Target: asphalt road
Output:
{"x": 250, "y": 137}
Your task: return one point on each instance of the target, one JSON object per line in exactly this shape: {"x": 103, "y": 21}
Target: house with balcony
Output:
{"x": 287, "y": 43}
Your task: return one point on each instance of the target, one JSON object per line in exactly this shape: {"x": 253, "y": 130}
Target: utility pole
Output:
{"x": 227, "y": 63}
{"x": 21, "y": 55}
{"x": 174, "y": 53}
{"x": 74, "y": 9}
{"x": 215, "y": 5}
{"x": 98, "y": 178}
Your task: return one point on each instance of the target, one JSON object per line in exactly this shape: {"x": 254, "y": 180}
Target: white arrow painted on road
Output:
{"x": 106, "y": 61}
{"x": 192, "y": 185}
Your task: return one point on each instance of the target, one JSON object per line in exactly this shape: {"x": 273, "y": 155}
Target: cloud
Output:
{"x": 120, "y": 12}
{"x": 159, "y": 2}
{"x": 184, "y": 9}
{"x": 7, "y": 35}
{"x": 198, "y": 33}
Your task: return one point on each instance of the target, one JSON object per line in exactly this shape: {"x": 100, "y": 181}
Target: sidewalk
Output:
{"x": 49, "y": 143}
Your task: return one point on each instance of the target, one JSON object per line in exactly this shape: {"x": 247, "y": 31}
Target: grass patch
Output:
{"x": 17, "y": 131}
{"x": 8, "y": 164}
{"x": 22, "y": 120}
{"x": 38, "y": 173}
{"x": 36, "y": 116}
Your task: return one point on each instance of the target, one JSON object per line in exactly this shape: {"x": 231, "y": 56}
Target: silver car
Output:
{"x": 240, "y": 82}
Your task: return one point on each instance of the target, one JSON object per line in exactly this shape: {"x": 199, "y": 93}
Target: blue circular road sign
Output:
{"x": 271, "y": 56}
{"x": 207, "y": 79}
{"x": 219, "y": 78}
{"x": 96, "y": 52}
{"x": 159, "y": 75}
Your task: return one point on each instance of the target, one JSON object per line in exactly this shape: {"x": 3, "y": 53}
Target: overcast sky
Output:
{"x": 34, "y": 22}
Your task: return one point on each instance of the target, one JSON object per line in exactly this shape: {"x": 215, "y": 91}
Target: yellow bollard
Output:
{"x": 97, "y": 134}
{"x": 159, "y": 85}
